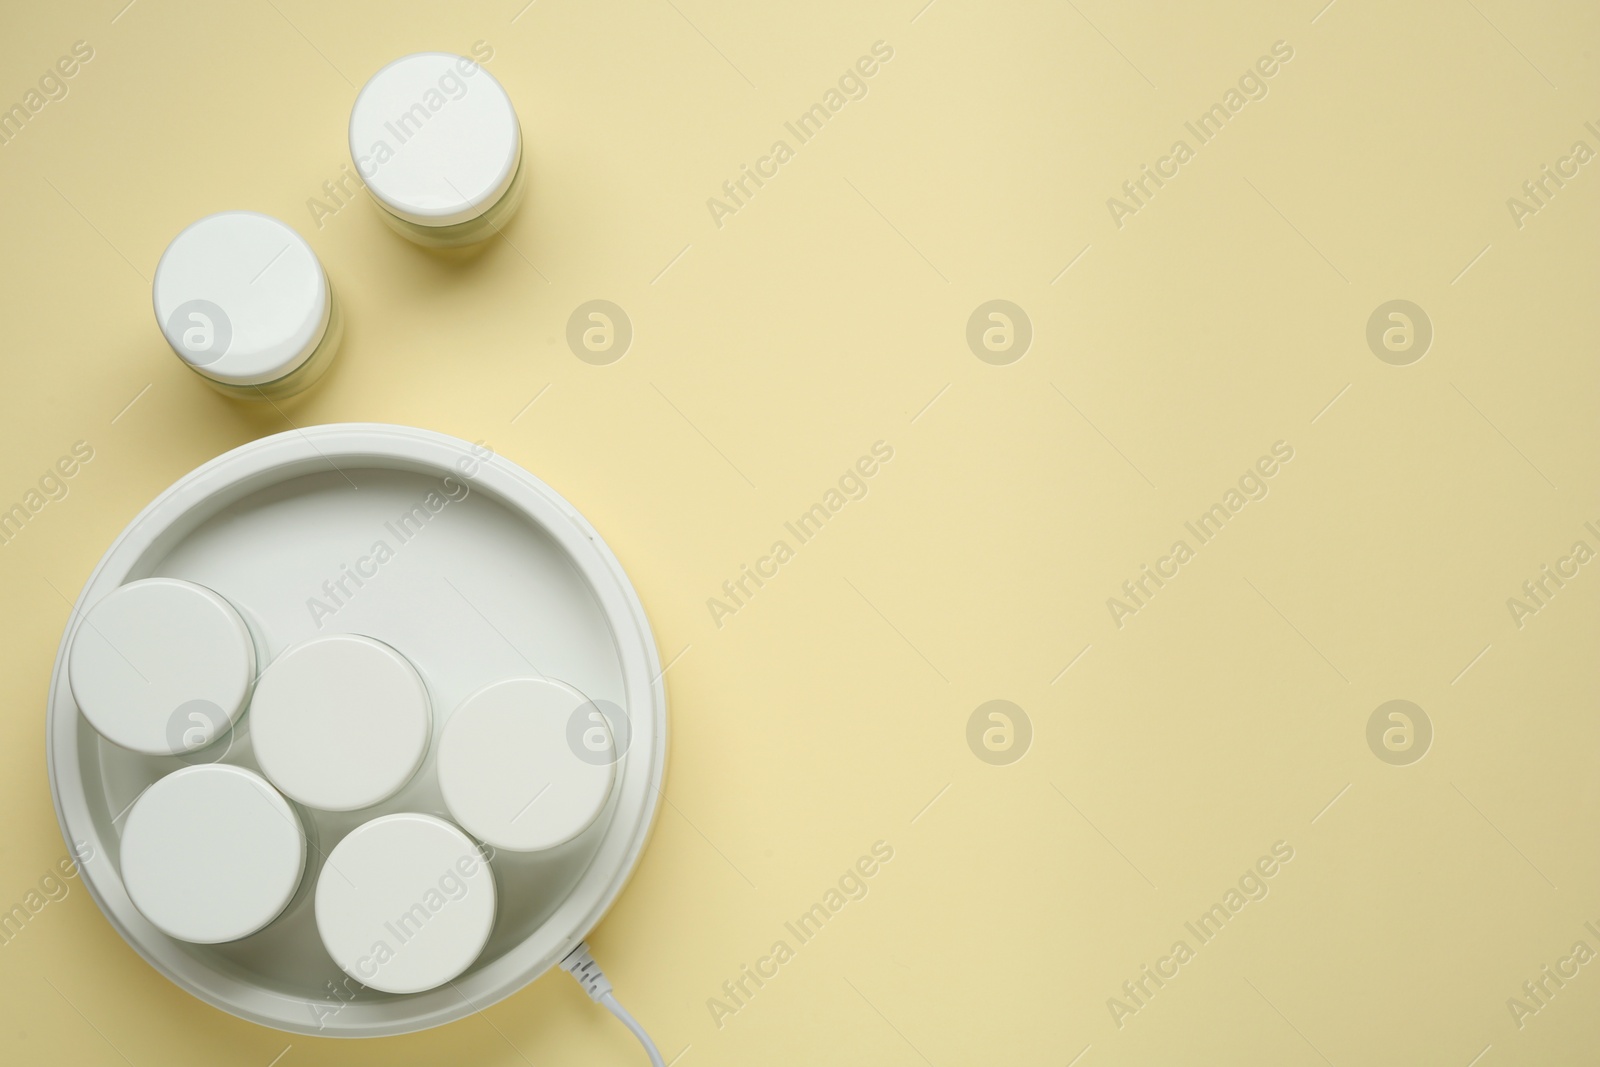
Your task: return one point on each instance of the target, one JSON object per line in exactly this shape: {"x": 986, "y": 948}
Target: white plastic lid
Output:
{"x": 340, "y": 722}
{"x": 405, "y": 903}
{"x": 161, "y": 666}
{"x": 211, "y": 854}
{"x": 435, "y": 138}
{"x": 526, "y": 764}
{"x": 241, "y": 298}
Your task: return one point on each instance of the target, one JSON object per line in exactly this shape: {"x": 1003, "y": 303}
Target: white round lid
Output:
{"x": 241, "y": 297}
{"x": 435, "y": 138}
{"x": 405, "y": 903}
{"x": 526, "y": 764}
{"x": 211, "y": 853}
{"x": 340, "y": 722}
{"x": 161, "y": 666}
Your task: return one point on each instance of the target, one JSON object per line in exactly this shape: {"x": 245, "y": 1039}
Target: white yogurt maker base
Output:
{"x": 485, "y": 574}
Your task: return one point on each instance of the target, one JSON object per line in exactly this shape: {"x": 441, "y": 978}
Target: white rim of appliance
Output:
{"x": 72, "y": 745}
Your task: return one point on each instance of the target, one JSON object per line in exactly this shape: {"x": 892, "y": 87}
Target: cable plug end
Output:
{"x": 581, "y": 965}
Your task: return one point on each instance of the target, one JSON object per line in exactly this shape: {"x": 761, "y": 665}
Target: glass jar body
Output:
{"x": 458, "y": 235}
{"x": 302, "y": 377}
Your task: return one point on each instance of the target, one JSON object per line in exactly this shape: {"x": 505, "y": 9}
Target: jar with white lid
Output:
{"x": 340, "y": 722}
{"x": 437, "y": 142}
{"x": 405, "y": 903}
{"x": 162, "y": 666}
{"x": 211, "y": 854}
{"x": 244, "y": 302}
{"x": 527, "y": 764}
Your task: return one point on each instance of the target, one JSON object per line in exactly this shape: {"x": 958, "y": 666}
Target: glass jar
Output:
{"x": 212, "y": 854}
{"x": 408, "y": 879}
{"x": 340, "y": 722}
{"x": 162, "y": 666}
{"x": 437, "y": 142}
{"x": 245, "y": 304}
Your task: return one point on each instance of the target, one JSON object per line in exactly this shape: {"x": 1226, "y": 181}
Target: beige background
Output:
{"x": 825, "y": 315}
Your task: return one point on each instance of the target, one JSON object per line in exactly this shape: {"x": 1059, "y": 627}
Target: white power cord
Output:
{"x": 581, "y": 965}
